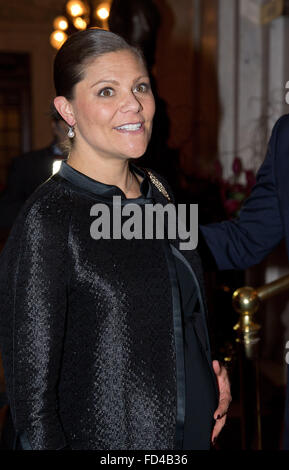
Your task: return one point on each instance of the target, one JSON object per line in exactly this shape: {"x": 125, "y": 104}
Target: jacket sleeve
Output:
{"x": 33, "y": 279}
{"x": 244, "y": 242}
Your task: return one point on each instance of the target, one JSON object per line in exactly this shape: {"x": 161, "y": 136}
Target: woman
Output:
{"x": 94, "y": 351}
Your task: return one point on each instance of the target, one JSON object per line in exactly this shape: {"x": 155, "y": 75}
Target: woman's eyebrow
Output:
{"x": 115, "y": 82}
{"x": 141, "y": 76}
{"x": 105, "y": 81}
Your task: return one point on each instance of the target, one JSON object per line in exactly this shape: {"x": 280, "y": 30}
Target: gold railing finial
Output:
{"x": 246, "y": 302}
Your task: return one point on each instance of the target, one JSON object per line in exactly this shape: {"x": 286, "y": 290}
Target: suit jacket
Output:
{"x": 263, "y": 220}
{"x": 91, "y": 332}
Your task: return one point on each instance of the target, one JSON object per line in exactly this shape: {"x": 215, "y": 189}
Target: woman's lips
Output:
{"x": 131, "y": 128}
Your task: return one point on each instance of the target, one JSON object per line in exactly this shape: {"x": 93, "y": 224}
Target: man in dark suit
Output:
{"x": 263, "y": 220}
{"x": 27, "y": 172}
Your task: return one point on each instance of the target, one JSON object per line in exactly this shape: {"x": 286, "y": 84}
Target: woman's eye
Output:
{"x": 106, "y": 92}
{"x": 142, "y": 88}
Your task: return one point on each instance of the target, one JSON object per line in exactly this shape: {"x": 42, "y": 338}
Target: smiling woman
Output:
{"x": 111, "y": 111}
{"x": 107, "y": 100}
{"x": 104, "y": 341}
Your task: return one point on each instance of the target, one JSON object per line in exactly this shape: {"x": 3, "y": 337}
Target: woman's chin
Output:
{"x": 135, "y": 153}
{"x": 136, "y": 156}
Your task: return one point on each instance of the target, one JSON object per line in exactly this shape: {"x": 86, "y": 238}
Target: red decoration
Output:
{"x": 233, "y": 192}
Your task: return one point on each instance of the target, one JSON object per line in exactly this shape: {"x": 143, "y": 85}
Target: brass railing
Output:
{"x": 246, "y": 302}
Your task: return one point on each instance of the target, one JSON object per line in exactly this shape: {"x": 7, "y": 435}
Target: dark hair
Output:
{"x": 79, "y": 49}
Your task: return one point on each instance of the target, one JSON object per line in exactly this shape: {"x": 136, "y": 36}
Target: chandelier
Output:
{"x": 78, "y": 15}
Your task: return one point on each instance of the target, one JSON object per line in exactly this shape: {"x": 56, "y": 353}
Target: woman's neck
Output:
{"x": 111, "y": 171}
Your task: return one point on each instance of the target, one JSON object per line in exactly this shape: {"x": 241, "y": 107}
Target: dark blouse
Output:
{"x": 102, "y": 334}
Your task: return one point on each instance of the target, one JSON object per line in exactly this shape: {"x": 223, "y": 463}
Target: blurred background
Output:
{"x": 219, "y": 70}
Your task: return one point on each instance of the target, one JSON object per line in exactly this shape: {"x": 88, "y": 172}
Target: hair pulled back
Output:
{"x": 78, "y": 50}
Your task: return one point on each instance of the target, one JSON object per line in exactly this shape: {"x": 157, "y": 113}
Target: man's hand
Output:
{"x": 225, "y": 398}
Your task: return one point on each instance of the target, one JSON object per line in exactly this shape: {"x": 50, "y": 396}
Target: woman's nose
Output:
{"x": 130, "y": 103}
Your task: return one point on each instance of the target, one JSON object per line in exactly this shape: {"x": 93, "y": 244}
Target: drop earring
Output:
{"x": 71, "y": 132}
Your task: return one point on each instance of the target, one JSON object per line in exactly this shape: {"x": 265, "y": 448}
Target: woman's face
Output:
{"x": 113, "y": 106}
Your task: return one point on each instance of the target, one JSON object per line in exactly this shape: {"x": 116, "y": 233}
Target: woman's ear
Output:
{"x": 65, "y": 109}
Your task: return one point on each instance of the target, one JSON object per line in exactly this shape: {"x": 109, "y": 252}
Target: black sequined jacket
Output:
{"x": 100, "y": 345}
